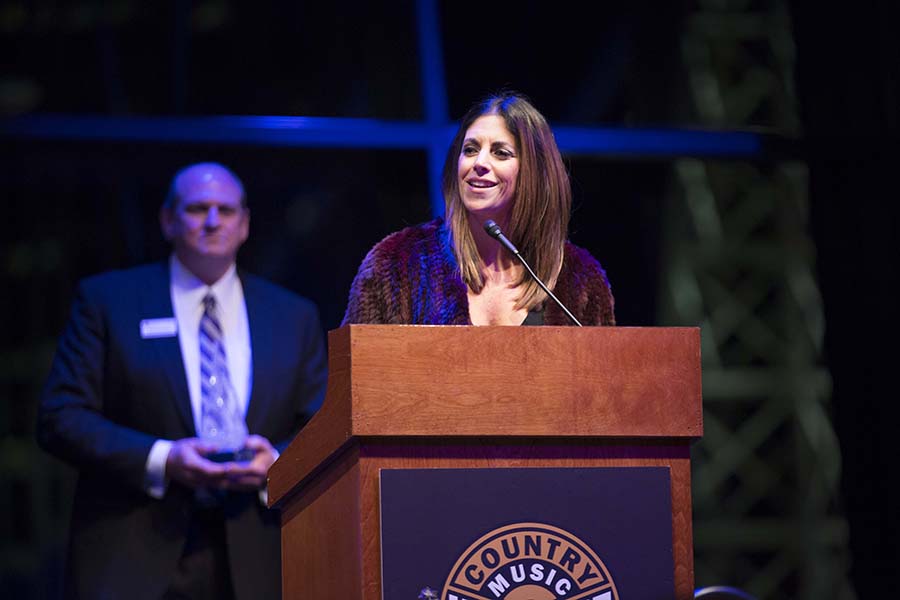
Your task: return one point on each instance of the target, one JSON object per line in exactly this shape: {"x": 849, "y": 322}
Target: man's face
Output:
{"x": 209, "y": 221}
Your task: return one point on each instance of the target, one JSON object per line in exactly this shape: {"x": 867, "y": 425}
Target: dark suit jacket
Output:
{"x": 110, "y": 394}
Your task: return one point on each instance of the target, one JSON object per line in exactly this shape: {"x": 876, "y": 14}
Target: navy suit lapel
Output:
{"x": 262, "y": 324}
{"x": 156, "y": 302}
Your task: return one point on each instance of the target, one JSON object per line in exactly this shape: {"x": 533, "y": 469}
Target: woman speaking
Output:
{"x": 502, "y": 166}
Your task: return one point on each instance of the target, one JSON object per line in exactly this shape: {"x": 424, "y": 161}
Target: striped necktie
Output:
{"x": 221, "y": 420}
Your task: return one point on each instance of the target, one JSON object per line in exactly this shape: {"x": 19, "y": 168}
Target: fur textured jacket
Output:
{"x": 411, "y": 277}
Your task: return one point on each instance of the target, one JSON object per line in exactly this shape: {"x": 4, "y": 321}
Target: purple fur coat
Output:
{"x": 411, "y": 277}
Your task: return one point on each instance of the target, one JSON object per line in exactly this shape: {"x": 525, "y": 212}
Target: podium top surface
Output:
{"x": 422, "y": 381}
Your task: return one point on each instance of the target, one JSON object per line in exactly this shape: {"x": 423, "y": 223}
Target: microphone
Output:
{"x": 494, "y": 231}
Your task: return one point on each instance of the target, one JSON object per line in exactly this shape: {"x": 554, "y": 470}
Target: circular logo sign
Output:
{"x": 529, "y": 561}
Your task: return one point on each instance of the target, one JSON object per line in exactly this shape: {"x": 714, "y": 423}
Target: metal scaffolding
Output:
{"x": 739, "y": 262}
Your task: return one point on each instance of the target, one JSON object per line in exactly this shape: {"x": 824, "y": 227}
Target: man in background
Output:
{"x": 174, "y": 387}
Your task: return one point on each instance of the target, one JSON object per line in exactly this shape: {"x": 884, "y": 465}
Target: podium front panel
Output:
{"x": 475, "y": 534}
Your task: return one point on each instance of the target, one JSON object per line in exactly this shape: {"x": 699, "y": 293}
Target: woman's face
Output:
{"x": 488, "y": 168}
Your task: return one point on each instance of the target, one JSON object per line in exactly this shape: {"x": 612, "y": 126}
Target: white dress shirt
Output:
{"x": 187, "y": 293}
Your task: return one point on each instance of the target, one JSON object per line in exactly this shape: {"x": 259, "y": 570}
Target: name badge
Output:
{"x": 158, "y": 328}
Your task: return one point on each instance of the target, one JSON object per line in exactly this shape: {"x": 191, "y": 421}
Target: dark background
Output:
{"x": 848, "y": 61}
{"x": 76, "y": 207}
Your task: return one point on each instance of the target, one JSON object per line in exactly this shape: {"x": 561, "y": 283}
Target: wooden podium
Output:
{"x": 414, "y": 397}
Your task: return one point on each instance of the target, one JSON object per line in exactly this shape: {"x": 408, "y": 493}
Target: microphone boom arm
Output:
{"x": 494, "y": 231}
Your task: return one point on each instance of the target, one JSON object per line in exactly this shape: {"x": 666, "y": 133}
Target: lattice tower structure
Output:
{"x": 739, "y": 261}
